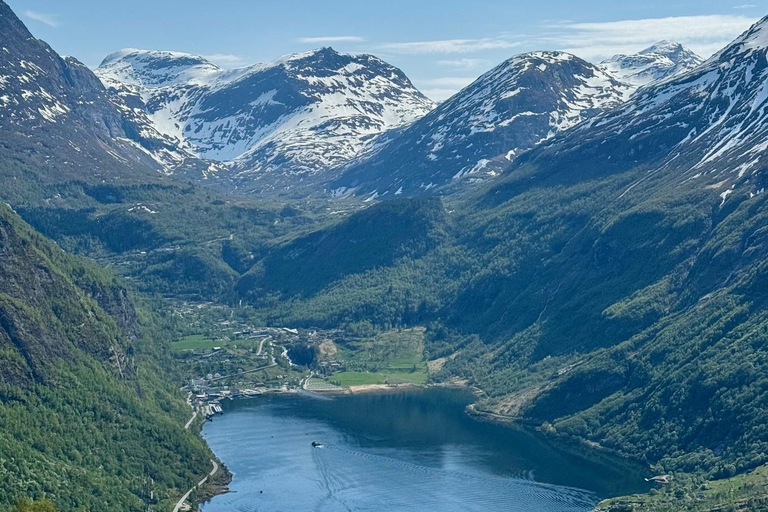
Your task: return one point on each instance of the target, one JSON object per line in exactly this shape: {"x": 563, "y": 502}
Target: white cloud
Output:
{"x": 447, "y": 46}
{"x": 456, "y": 82}
{"x": 52, "y": 20}
{"x": 438, "y": 95}
{"x": 225, "y": 59}
{"x": 594, "y": 41}
{"x": 331, "y": 39}
{"x": 744, "y": 6}
{"x": 464, "y": 63}
{"x": 442, "y": 88}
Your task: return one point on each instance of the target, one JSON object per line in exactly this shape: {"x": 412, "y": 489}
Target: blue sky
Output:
{"x": 442, "y": 45}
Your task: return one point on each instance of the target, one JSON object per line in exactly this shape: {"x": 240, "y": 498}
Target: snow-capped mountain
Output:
{"x": 659, "y": 61}
{"x": 59, "y": 100}
{"x": 706, "y": 128}
{"x": 272, "y": 124}
{"x": 507, "y": 111}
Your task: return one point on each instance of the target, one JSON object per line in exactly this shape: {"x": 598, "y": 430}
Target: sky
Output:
{"x": 442, "y": 45}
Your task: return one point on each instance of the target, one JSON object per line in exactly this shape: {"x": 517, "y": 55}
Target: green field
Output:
{"x": 347, "y": 379}
{"x": 392, "y": 357}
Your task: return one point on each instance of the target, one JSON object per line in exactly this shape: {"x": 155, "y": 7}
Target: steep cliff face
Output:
{"x": 85, "y": 417}
{"x": 56, "y": 114}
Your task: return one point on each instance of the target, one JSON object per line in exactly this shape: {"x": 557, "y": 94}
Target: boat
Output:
{"x": 315, "y": 444}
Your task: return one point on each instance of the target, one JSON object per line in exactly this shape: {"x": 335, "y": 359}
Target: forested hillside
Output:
{"x": 611, "y": 286}
{"x": 87, "y": 419}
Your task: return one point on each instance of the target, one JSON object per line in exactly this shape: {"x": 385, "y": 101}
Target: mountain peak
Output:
{"x": 133, "y": 66}
{"x": 659, "y": 61}
{"x": 471, "y": 136}
{"x": 167, "y": 57}
{"x": 712, "y": 121}
{"x": 664, "y": 46}
{"x": 297, "y": 115}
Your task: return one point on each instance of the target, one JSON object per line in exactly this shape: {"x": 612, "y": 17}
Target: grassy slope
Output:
{"x": 85, "y": 415}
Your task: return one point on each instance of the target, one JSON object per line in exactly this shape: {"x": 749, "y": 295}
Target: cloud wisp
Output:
{"x": 331, "y": 39}
{"x": 449, "y": 46}
{"x": 594, "y": 41}
{"x": 226, "y": 60}
{"x": 52, "y": 20}
{"x": 464, "y": 63}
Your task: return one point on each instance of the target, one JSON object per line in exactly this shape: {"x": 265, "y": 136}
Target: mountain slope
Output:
{"x": 662, "y": 60}
{"x": 611, "y": 284}
{"x": 705, "y": 128}
{"x": 44, "y": 97}
{"x": 474, "y": 134}
{"x": 85, "y": 418}
{"x": 273, "y": 124}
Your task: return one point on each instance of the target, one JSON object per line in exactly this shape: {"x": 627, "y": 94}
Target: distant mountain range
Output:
{"x": 314, "y": 123}
{"x": 322, "y": 121}
{"x": 476, "y": 133}
{"x": 516, "y": 106}
{"x": 273, "y": 124}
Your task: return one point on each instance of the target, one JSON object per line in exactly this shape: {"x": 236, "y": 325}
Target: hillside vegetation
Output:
{"x": 636, "y": 321}
{"x": 86, "y": 418}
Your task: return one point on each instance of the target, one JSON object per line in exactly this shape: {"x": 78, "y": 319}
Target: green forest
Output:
{"x": 86, "y": 420}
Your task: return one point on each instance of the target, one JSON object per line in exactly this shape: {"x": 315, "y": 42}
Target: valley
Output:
{"x": 568, "y": 256}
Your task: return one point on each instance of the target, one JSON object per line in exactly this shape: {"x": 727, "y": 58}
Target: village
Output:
{"x": 227, "y": 357}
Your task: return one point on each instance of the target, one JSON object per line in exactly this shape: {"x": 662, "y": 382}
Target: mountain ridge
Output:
{"x": 86, "y": 413}
{"x": 41, "y": 92}
{"x": 508, "y": 110}
{"x": 272, "y": 124}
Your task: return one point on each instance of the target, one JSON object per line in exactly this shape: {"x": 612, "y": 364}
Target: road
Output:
{"x": 180, "y": 503}
{"x": 189, "y": 423}
{"x": 243, "y": 373}
{"x": 261, "y": 345}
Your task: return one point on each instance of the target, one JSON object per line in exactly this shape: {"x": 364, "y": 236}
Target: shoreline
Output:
{"x": 215, "y": 482}
{"x": 392, "y": 388}
{"x": 212, "y": 489}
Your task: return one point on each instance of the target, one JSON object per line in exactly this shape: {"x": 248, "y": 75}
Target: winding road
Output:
{"x": 181, "y": 501}
{"x": 189, "y": 423}
{"x": 261, "y": 345}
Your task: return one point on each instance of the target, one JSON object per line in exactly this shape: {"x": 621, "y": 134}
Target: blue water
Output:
{"x": 414, "y": 451}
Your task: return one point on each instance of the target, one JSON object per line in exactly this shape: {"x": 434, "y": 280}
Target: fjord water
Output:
{"x": 404, "y": 451}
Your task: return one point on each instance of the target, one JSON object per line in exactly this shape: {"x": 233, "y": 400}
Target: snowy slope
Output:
{"x": 61, "y": 101}
{"x": 662, "y": 60}
{"x": 706, "y": 128}
{"x": 273, "y": 123}
{"x": 507, "y": 111}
